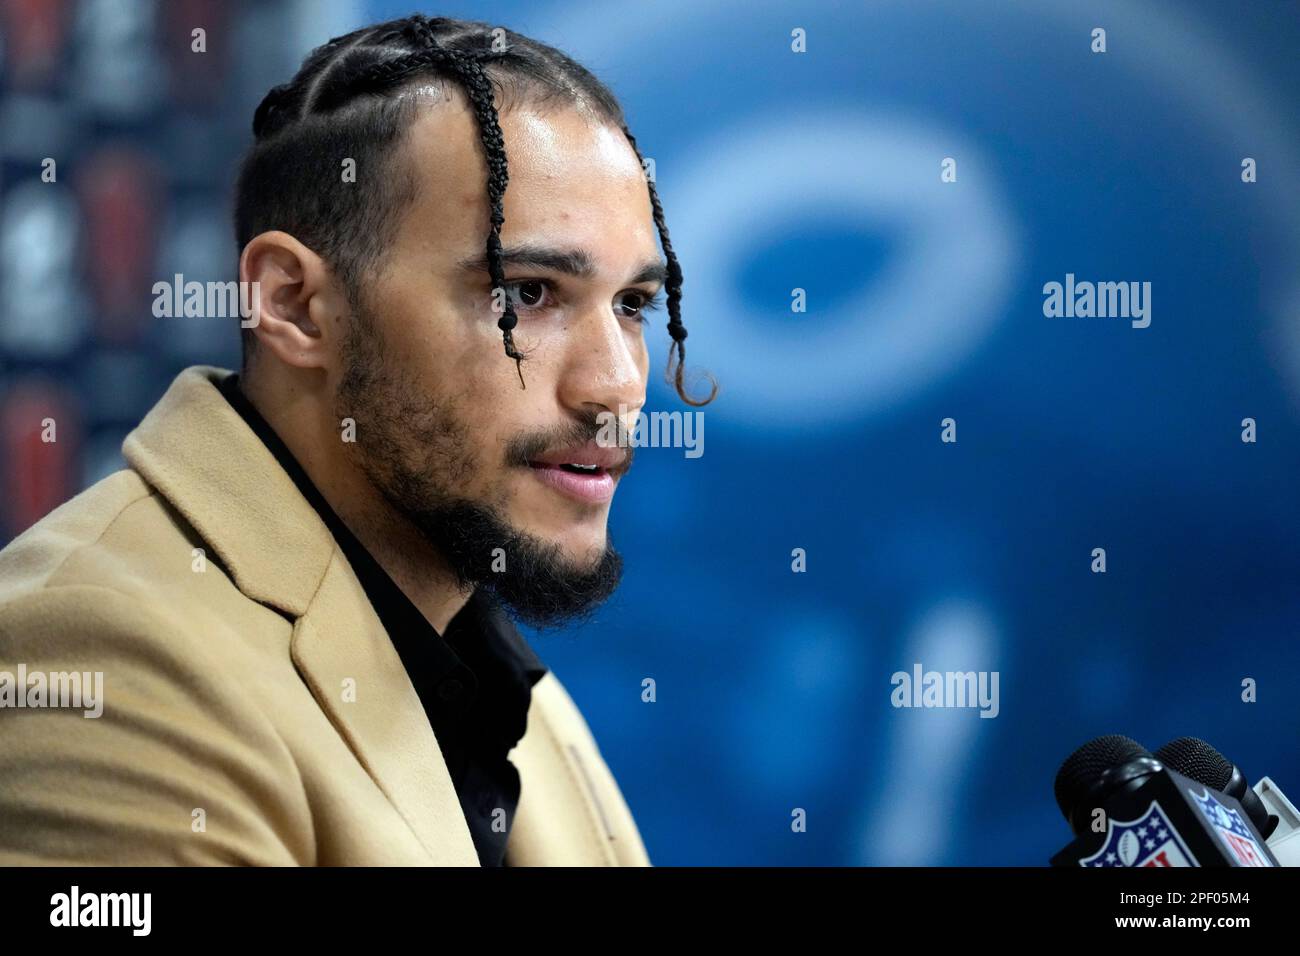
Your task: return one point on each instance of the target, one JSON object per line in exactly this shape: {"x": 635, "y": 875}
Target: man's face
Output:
{"x": 442, "y": 422}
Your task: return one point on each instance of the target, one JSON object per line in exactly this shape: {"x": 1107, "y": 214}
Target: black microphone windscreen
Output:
{"x": 1194, "y": 758}
{"x": 1082, "y": 769}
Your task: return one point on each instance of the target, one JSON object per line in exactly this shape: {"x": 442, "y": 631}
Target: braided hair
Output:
{"x": 341, "y": 103}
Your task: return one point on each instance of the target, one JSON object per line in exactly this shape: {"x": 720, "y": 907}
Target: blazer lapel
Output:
{"x": 355, "y": 674}
{"x": 198, "y": 453}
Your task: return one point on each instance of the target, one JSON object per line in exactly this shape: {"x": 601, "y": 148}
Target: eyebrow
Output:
{"x": 574, "y": 262}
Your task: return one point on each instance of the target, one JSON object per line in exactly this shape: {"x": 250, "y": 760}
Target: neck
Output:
{"x": 298, "y": 411}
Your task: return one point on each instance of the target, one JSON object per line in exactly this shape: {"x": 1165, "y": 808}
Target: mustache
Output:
{"x": 586, "y": 428}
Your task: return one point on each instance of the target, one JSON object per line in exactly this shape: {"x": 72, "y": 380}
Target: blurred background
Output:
{"x": 817, "y": 171}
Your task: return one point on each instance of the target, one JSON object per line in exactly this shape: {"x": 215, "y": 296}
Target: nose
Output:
{"x": 606, "y": 365}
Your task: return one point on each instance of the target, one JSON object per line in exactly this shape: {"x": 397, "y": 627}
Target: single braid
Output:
{"x": 284, "y": 102}
{"x": 479, "y": 88}
{"x": 271, "y": 111}
{"x": 676, "y": 328}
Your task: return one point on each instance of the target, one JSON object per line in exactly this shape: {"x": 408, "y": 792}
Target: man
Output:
{"x": 298, "y": 592}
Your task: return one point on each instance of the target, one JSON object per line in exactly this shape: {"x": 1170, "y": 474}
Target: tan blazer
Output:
{"x": 229, "y": 629}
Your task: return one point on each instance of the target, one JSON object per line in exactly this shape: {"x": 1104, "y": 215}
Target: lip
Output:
{"x": 596, "y": 488}
{"x": 610, "y": 459}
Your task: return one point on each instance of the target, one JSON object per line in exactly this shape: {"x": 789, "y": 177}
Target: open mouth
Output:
{"x": 575, "y": 469}
{"x": 583, "y": 472}
{"x": 586, "y": 481}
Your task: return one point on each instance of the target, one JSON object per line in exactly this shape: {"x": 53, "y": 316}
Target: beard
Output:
{"x": 417, "y": 454}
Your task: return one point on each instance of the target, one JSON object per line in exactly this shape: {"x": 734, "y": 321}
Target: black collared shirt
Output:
{"x": 475, "y": 682}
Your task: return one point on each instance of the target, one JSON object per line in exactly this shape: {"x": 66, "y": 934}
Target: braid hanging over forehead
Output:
{"x": 378, "y": 61}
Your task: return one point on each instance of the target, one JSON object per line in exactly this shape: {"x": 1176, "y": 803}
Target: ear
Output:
{"x": 297, "y": 301}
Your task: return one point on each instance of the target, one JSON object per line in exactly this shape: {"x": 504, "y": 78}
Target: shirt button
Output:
{"x": 451, "y": 689}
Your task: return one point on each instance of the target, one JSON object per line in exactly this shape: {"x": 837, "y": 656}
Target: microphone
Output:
{"x": 1193, "y": 757}
{"x": 1273, "y": 815}
{"x": 1126, "y": 807}
{"x": 1097, "y": 771}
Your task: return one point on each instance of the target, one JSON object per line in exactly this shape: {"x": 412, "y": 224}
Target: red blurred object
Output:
{"x": 120, "y": 202}
{"x": 35, "y": 33}
{"x": 39, "y": 475}
{"x": 196, "y": 78}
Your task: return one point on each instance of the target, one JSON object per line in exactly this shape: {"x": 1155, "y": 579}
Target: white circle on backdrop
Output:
{"x": 868, "y": 344}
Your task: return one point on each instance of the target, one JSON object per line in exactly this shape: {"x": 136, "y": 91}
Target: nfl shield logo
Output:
{"x": 1231, "y": 828}
{"x": 1150, "y": 840}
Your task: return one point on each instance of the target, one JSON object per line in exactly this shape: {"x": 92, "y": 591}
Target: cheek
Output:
{"x": 441, "y": 349}
{"x": 483, "y": 387}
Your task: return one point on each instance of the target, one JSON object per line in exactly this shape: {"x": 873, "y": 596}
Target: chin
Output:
{"x": 581, "y": 543}
{"x": 584, "y": 552}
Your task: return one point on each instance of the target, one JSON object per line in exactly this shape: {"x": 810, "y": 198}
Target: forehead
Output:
{"x": 572, "y": 181}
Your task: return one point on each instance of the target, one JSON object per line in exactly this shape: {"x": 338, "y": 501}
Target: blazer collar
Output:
{"x": 199, "y": 454}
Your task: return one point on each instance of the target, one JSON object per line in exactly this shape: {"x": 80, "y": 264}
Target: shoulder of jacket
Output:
{"x": 35, "y": 557}
{"x": 563, "y": 728}
{"x": 562, "y": 718}
{"x": 559, "y": 710}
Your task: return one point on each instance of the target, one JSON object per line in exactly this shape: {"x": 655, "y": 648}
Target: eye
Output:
{"x": 641, "y": 303}
{"x": 527, "y": 295}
